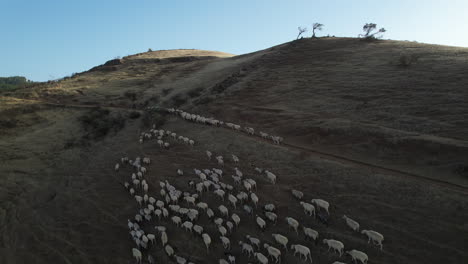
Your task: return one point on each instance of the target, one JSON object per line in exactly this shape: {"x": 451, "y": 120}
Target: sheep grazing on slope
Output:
{"x": 137, "y": 254}
{"x": 375, "y": 236}
{"x": 335, "y": 245}
{"x": 282, "y": 240}
{"x": 297, "y": 194}
{"x": 351, "y": 223}
{"x": 273, "y": 252}
{"x": 303, "y": 251}
{"x": 358, "y": 255}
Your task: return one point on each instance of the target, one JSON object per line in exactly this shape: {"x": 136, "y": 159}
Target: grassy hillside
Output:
{"x": 378, "y": 129}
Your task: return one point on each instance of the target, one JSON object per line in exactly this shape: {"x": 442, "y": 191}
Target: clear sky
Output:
{"x": 49, "y": 39}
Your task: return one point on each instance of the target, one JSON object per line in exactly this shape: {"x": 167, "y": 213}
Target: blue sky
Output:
{"x": 49, "y": 39}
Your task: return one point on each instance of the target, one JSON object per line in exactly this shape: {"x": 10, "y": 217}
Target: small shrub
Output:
{"x": 131, "y": 95}
{"x": 178, "y": 100}
{"x": 150, "y": 50}
{"x": 204, "y": 100}
{"x": 153, "y": 117}
{"x": 406, "y": 60}
{"x": 195, "y": 92}
{"x": 98, "y": 122}
{"x": 134, "y": 115}
{"x": 166, "y": 91}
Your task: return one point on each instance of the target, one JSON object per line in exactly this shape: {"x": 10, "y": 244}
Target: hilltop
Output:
{"x": 380, "y": 129}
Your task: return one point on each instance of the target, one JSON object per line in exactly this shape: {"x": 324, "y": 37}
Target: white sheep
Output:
{"x": 375, "y": 236}
{"x": 269, "y": 207}
{"x": 271, "y": 216}
{"x": 292, "y": 223}
{"x": 209, "y": 213}
{"x": 188, "y": 226}
{"x": 232, "y": 199}
{"x": 273, "y": 252}
{"x": 191, "y": 142}
{"x": 206, "y": 240}
{"x": 253, "y": 241}
{"x": 282, "y": 240}
{"x": 246, "y": 248}
{"x": 261, "y": 258}
{"x": 132, "y": 191}
{"x": 351, "y": 223}
{"x": 209, "y": 154}
{"x": 151, "y": 237}
{"x": 198, "y": 229}
{"x": 236, "y": 219}
{"x": 310, "y": 233}
{"x": 180, "y": 172}
{"x": 117, "y": 166}
{"x": 358, "y": 255}
{"x": 222, "y": 230}
{"x": 164, "y": 238}
{"x": 202, "y": 205}
{"x": 335, "y": 244}
{"x": 166, "y": 145}
{"x": 271, "y": 177}
{"x": 303, "y": 251}
{"x": 322, "y": 204}
{"x": 169, "y": 250}
{"x": 223, "y": 210}
{"x": 226, "y": 242}
{"x": 176, "y": 220}
{"x": 254, "y": 199}
{"x": 190, "y": 200}
{"x": 220, "y": 193}
{"x": 137, "y": 254}
{"x": 263, "y": 135}
{"x": 235, "y": 158}
{"x": 230, "y": 226}
{"x": 309, "y": 209}
{"x": 253, "y": 183}
{"x": 139, "y": 199}
{"x": 260, "y": 222}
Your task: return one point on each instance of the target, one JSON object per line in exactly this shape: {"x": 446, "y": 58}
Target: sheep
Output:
{"x": 137, "y": 254}
{"x": 271, "y": 216}
{"x": 226, "y": 242}
{"x": 166, "y": 145}
{"x": 191, "y": 142}
{"x": 117, "y": 166}
{"x": 237, "y": 179}
{"x": 218, "y": 221}
{"x": 273, "y": 252}
{"x": 165, "y": 212}
{"x": 223, "y": 210}
{"x": 235, "y": 158}
{"x": 126, "y": 184}
{"x": 160, "y": 228}
{"x": 232, "y": 199}
{"x": 180, "y": 172}
{"x": 250, "y": 130}
{"x": 253, "y": 241}
{"x": 263, "y": 135}
{"x": 174, "y": 135}
{"x": 375, "y": 236}
{"x": 220, "y": 193}
{"x": 254, "y": 199}
{"x": 151, "y": 237}
{"x": 261, "y": 258}
{"x": 222, "y": 230}
{"x": 260, "y": 222}
{"x": 351, "y": 223}
{"x": 231, "y": 258}
{"x": 198, "y": 229}
{"x": 335, "y": 244}
{"x": 138, "y": 218}
{"x": 248, "y": 209}
{"x": 230, "y": 225}
{"x": 271, "y": 177}
{"x": 202, "y": 205}
{"x": 358, "y": 255}
{"x": 180, "y": 260}
{"x": 192, "y": 214}
{"x": 242, "y": 196}
{"x": 209, "y": 213}
{"x": 269, "y": 207}
{"x": 164, "y": 238}
{"x": 321, "y": 204}
{"x": 236, "y": 219}
{"x": 132, "y": 191}
{"x": 253, "y": 183}
{"x": 188, "y": 226}
{"x": 220, "y": 160}
{"x": 223, "y": 261}
{"x": 151, "y": 259}
{"x": 282, "y": 240}
{"x": 246, "y": 248}
{"x": 169, "y": 250}
{"x": 309, "y": 209}
{"x": 176, "y": 220}
{"x": 209, "y": 154}
{"x": 206, "y": 240}
{"x": 238, "y": 172}
{"x": 310, "y": 233}
{"x": 292, "y": 223}
{"x": 302, "y": 250}
{"x": 190, "y": 200}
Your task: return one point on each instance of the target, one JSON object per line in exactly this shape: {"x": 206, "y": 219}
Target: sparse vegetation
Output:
{"x": 406, "y": 59}
{"x": 99, "y": 122}
{"x": 150, "y": 50}
{"x": 368, "y": 28}
{"x": 301, "y": 31}
{"x": 166, "y": 91}
{"x": 153, "y": 117}
{"x": 316, "y": 26}
{"x": 178, "y": 100}
{"x": 195, "y": 92}
{"x": 134, "y": 115}
{"x": 12, "y": 83}
{"x": 131, "y": 95}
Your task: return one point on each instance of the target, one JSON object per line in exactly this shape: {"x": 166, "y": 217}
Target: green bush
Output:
{"x": 99, "y": 122}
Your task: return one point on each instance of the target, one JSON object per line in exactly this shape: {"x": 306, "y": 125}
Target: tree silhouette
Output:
{"x": 368, "y": 28}
{"x": 316, "y": 26}
{"x": 301, "y": 30}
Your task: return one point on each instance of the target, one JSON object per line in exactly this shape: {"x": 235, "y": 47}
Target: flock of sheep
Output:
{"x": 170, "y": 207}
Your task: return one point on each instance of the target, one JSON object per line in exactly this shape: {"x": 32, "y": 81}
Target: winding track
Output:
{"x": 285, "y": 145}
